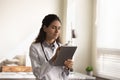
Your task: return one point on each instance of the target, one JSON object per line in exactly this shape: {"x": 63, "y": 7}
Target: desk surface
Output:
{"x": 30, "y": 76}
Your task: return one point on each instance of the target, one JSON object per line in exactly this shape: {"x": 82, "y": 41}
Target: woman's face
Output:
{"x": 53, "y": 30}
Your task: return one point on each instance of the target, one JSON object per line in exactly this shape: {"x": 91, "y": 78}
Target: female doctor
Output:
{"x": 44, "y": 50}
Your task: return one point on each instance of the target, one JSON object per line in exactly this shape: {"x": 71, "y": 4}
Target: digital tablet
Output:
{"x": 66, "y": 52}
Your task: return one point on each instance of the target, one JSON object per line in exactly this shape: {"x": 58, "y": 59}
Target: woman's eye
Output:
{"x": 53, "y": 27}
{"x": 58, "y": 28}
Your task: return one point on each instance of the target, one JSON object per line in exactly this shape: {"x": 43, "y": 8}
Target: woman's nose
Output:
{"x": 56, "y": 30}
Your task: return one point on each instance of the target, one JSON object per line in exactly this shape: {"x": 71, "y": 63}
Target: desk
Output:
{"x": 30, "y": 76}
{"x": 80, "y": 76}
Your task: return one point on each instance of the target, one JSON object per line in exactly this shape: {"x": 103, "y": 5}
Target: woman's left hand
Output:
{"x": 68, "y": 64}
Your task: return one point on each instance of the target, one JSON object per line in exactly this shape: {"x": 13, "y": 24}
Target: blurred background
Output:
{"x": 95, "y": 24}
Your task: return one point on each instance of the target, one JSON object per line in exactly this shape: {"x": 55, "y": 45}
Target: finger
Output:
{"x": 68, "y": 64}
{"x": 69, "y": 59}
{"x": 58, "y": 49}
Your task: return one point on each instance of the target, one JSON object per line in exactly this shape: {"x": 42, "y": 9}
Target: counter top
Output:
{"x": 30, "y": 76}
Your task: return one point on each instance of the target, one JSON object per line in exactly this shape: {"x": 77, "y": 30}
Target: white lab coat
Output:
{"x": 43, "y": 69}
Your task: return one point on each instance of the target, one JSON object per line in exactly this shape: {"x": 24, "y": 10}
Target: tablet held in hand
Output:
{"x": 66, "y": 52}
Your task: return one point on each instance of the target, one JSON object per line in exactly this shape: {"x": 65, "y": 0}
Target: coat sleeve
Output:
{"x": 40, "y": 69}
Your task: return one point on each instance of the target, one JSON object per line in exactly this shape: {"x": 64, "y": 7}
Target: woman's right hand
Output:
{"x": 55, "y": 56}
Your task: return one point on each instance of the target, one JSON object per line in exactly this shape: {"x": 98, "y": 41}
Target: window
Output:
{"x": 108, "y": 39}
{"x": 70, "y": 29}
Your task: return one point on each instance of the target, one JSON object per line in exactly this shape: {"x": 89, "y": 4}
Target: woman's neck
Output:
{"x": 50, "y": 41}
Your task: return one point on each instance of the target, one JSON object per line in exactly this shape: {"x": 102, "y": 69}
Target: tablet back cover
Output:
{"x": 66, "y": 52}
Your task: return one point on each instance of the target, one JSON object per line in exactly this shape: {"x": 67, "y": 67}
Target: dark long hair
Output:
{"x": 48, "y": 19}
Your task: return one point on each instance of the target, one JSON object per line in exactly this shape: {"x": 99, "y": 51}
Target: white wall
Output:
{"x": 20, "y": 21}
{"x": 83, "y": 27}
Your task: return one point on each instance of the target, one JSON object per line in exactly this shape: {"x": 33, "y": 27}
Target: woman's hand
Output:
{"x": 68, "y": 64}
{"x": 55, "y": 56}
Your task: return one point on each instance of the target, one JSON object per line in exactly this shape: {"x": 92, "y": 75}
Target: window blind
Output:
{"x": 108, "y": 63}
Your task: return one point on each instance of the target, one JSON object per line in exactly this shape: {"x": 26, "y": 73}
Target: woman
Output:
{"x": 44, "y": 50}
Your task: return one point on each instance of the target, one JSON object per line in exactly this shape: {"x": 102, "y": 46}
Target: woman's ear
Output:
{"x": 45, "y": 28}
